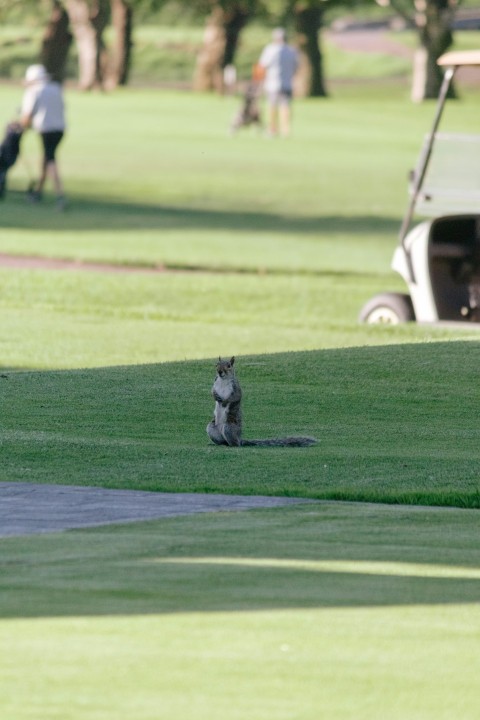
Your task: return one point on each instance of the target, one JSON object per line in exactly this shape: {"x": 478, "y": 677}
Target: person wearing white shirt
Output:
{"x": 43, "y": 110}
{"x": 279, "y": 62}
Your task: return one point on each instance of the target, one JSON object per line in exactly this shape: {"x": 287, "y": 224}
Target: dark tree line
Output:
{"x": 84, "y": 22}
{"x": 432, "y": 20}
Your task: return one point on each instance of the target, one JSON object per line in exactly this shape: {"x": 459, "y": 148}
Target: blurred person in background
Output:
{"x": 279, "y": 62}
{"x": 43, "y": 109}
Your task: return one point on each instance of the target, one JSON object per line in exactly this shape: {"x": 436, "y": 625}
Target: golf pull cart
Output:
{"x": 439, "y": 259}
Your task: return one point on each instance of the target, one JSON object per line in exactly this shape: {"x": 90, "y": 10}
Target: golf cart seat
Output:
{"x": 446, "y": 250}
{"x": 454, "y": 263}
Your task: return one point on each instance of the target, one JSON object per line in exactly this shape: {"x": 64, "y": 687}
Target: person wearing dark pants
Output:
{"x": 43, "y": 109}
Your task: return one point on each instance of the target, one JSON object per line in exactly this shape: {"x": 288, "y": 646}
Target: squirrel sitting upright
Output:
{"x": 226, "y": 426}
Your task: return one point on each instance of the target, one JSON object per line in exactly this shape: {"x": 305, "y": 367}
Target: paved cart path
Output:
{"x": 28, "y": 509}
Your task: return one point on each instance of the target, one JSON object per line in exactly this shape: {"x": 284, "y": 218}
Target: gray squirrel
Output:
{"x": 226, "y": 426}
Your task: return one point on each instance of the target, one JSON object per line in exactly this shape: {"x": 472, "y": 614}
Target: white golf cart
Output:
{"x": 439, "y": 259}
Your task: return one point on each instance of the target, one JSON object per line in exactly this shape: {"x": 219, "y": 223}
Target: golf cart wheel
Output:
{"x": 387, "y": 309}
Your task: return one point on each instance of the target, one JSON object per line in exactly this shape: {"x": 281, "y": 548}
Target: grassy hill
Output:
{"x": 394, "y": 424}
{"x": 351, "y": 611}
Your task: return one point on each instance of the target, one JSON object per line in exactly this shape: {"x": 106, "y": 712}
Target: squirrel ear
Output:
{"x": 219, "y": 359}
{"x": 232, "y": 360}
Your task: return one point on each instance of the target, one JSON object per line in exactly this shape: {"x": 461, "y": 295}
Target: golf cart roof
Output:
{"x": 459, "y": 57}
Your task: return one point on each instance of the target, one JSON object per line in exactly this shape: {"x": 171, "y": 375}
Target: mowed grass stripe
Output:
{"x": 250, "y": 618}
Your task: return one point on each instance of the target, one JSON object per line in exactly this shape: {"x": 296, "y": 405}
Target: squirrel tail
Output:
{"x": 281, "y": 442}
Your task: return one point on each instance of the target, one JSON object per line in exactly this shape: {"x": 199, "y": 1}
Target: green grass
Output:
{"x": 346, "y": 544}
{"x": 310, "y": 224}
{"x": 307, "y": 229}
{"x": 157, "y": 187}
{"x": 190, "y": 194}
{"x": 72, "y": 319}
{"x": 352, "y": 611}
{"x": 394, "y": 424}
{"x": 362, "y": 611}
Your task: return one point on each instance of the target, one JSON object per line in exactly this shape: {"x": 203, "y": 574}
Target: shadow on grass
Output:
{"x": 328, "y": 556}
{"x": 85, "y": 214}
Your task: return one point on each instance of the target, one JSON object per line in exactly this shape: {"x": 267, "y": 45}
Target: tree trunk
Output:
{"x": 310, "y": 80}
{"x": 433, "y": 20}
{"x": 235, "y": 21}
{"x": 56, "y": 43}
{"x": 220, "y": 42}
{"x": 79, "y": 14}
{"x": 122, "y": 23}
{"x": 88, "y": 23}
{"x": 208, "y": 68}
{"x": 99, "y": 17}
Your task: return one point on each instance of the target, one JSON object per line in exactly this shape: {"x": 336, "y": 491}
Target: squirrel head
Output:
{"x": 225, "y": 367}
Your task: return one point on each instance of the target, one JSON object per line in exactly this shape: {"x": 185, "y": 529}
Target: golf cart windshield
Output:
{"x": 446, "y": 179}
{"x": 452, "y": 180}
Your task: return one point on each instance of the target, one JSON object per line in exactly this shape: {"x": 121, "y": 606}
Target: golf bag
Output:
{"x": 249, "y": 113}
{"x": 9, "y": 151}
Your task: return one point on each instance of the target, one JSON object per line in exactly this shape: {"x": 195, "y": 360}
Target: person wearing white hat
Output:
{"x": 279, "y": 62}
{"x": 43, "y": 109}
